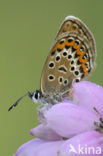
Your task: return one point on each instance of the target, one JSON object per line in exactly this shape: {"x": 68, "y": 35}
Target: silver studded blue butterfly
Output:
{"x": 71, "y": 58}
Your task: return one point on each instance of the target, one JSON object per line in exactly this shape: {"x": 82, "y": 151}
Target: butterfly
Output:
{"x": 71, "y": 59}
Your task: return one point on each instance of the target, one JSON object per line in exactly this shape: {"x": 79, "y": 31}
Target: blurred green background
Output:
{"x": 27, "y": 31}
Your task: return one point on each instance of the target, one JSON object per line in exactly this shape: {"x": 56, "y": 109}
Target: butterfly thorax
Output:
{"x": 38, "y": 97}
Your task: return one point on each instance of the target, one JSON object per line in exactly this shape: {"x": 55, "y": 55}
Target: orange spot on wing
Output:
{"x": 60, "y": 46}
{"x": 80, "y": 53}
{"x": 83, "y": 60}
{"x": 84, "y": 69}
{"x": 74, "y": 46}
{"x": 69, "y": 43}
{"x": 77, "y": 47}
{"x": 81, "y": 56}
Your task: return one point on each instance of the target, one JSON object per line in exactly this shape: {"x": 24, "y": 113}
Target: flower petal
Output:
{"x": 88, "y": 143}
{"x": 67, "y": 119}
{"x": 47, "y": 149}
{"x": 26, "y": 148}
{"x": 88, "y": 95}
{"x": 38, "y": 147}
{"x": 44, "y": 132}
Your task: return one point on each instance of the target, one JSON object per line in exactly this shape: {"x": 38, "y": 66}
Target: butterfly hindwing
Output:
{"x": 71, "y": 57}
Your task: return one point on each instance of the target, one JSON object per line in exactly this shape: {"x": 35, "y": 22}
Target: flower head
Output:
{"x": 69, "y": 126}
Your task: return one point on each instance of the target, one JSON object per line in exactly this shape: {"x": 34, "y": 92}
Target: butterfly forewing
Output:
{"x": 70, "y": 59}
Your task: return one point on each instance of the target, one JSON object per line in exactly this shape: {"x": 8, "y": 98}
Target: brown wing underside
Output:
{"x": 71, "y": 58}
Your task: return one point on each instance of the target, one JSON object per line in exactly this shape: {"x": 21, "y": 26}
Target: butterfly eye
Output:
{"x": 36, "y": 94}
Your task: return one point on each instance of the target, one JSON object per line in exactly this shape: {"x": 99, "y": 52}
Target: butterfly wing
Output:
{"x": 72, "y": 57}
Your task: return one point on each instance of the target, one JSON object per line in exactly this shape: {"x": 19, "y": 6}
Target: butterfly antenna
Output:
{"x": 16, "y": 103}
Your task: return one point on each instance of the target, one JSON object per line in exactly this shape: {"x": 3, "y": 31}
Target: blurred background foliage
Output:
{"x": 27, "y": 30}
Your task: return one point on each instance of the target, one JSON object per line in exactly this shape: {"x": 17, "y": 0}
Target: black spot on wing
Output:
{"x": 62, "y": 69}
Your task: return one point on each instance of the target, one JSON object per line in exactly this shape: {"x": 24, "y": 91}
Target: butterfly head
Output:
{"x": 36, "y": 96}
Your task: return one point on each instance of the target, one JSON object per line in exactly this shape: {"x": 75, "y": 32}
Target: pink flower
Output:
{"x": 87, "y": 143}
{"x": 38, "y": 147}
{"x": 67, "y": 119}
{"x": 88, "y": 95}
{"x": 44, "y": 132}
{"x": 70, "y": 128}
